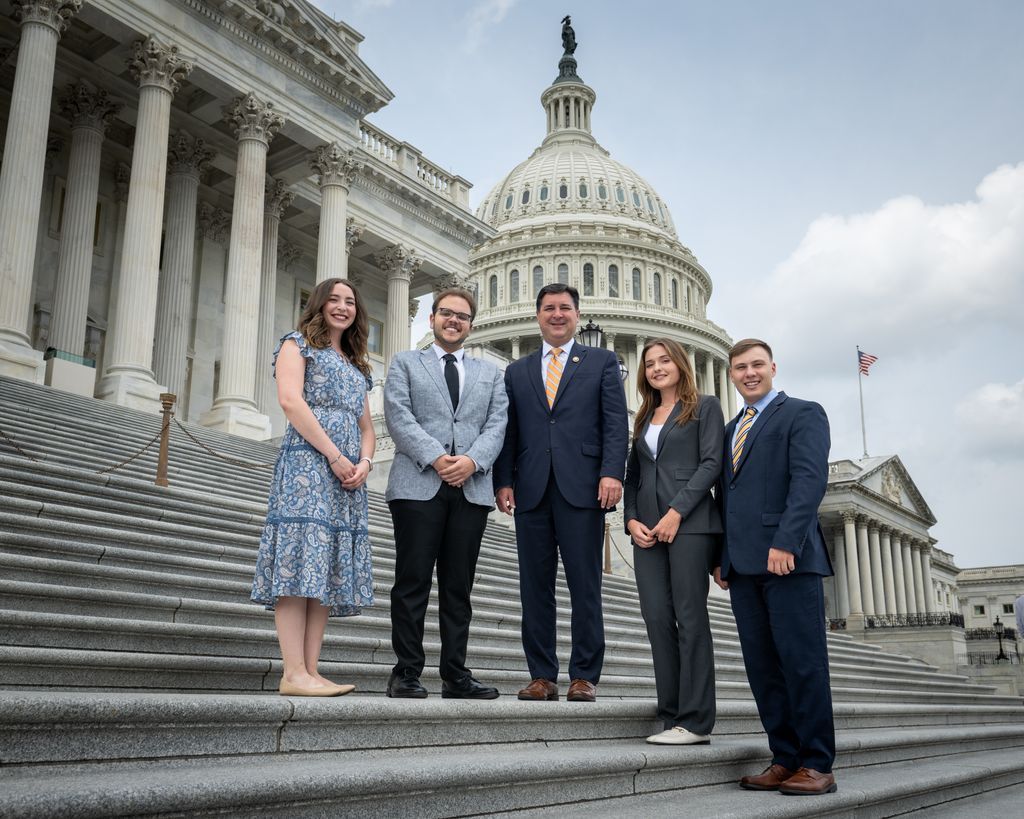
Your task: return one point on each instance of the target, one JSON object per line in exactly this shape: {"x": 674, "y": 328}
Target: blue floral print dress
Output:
{"x": 316, "y": 542}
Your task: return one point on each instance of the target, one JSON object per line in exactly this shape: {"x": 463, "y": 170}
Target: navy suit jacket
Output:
{"x": 772, "y": 498}
{"x": 582, "y": 438}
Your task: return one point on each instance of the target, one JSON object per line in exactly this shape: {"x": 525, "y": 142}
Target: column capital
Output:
{"x": 85, "y": 107}
{"x": 449, "y": 280}
{"x": 874, "y": 527}
{"x": 609, "y": 338}
{"x": 212, "y": 223}
{"x": 398, "y": 262}
{"x": 188, "y": 155}
{"x": 335, "y": 165}
{"x": 122, "y": 177}
{"x": 514, "y": 339}
{"x": 252, "y": 118}
{"x": 159, "y": 64}
{"x": 862, "y": 519}
{"x": 277, "y": 198}
{"x": 52, "y": 13}
{"x": 287, "y": 252}
{"x": 414, "y": 307}
{"x": 353, "y": 233}
{"x": 849, "y": 517}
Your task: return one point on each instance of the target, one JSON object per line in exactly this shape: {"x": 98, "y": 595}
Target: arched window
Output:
{"x": 620, "y": 194}
{"x": 538, "y": 279}
{"x": 526, "y": 196}
{"x": 494, "y": 208}
{"x": 602, "y": 190}
{"x": 583, "y": 189}
{"x": 588, "y": 279}
{"x": 650, "y": 205}
{"x": 656, "y": 284}
{"x": 563, "y": 191}
{"x": 636, "y": 199}
{"x": 544, "y": 192}
{"x": 492, "y": 291}
{"x": 508, "y": 200}
{"x": 563, "y": 273}
{"x": 637, "y": 289}
{"x": 675, "y": 294}
{"x": 513, "y": 285}
{"x": 613, "y": 281}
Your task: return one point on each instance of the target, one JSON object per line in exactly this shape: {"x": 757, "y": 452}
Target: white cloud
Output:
{"x": 990, "y": 420}
{"x": 481, "y": 17}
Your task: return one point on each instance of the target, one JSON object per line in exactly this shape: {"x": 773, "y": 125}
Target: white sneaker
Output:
{"x": 678, "y": 736}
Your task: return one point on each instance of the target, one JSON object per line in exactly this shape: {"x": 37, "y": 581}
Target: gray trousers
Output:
{"x": 672, "y": 580}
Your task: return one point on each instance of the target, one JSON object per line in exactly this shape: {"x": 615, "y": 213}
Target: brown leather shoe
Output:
{"x": 539, "y": 689}
{"x": 808, "y": 782}
{"x": 768, "y": 780}
{"x": 581, "y": 691}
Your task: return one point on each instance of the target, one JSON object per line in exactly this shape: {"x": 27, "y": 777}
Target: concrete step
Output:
{"x": 488, "y": 777}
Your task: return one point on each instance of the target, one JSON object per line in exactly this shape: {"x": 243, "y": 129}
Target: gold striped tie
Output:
{"x": 554, "y": 376}
{"x": 741, "y": 436}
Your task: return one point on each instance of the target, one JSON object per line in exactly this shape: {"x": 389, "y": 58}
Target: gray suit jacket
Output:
{"x": 419, "y": 416}
{"x": 688, "y": 464}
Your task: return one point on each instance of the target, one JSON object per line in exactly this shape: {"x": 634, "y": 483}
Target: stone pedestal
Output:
{"x": 70, "y": 376}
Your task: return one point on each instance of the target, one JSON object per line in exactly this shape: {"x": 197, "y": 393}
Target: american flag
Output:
{"x": 864, "y": 362}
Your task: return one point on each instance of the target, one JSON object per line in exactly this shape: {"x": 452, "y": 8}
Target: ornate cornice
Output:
{"x": 188, "y": 155}
{"x": 52, "y": 13}
{"x": 253, "y": 118}
{"x": 335, "y": 165}
{"x": 159, "y": 64}
{"x": 85, "y": 107}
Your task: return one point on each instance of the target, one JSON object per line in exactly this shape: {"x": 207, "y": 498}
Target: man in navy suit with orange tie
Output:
{"x": 773, "y": 560}
{"x": 560, "y": 470}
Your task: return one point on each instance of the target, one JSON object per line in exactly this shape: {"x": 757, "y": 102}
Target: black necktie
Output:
{"x": 451, "y": 375}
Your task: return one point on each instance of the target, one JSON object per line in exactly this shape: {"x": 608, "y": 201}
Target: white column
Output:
{"x": 21, "y": 178}
{"x": 276, "y": 202}
{"x": 877, "y": 584}
{"x": 336, "y": 168}
{"x": 864, "y": 558}
{"x": 908, "y": 576}
{"x": 128, "y": 377}
{"x": 899, "y": 581}
{"x": 888, "y": 578}
{"x": 919, "y": 600}
{"x": 692, "y": 355}
{"x": 122, "y": 178}
{"x": 89, "y": 112}
{"x": 399, "y": 265}
{"x": 187, "y": 157}
{"x": 632, "y": 396}
{"x": 926, "y": 577}
{"x": 515, "y": 347}
{"x": 842, "y": 587}
{"x": 724, "y": 386}
{"x": 234, "y": 409}
{"x": 609, "y": 341}
{"x": 709, "y": 375}
{"x": 852, "y": 562}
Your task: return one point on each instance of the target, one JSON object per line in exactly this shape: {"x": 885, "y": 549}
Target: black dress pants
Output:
{"x": 444, "y": 531}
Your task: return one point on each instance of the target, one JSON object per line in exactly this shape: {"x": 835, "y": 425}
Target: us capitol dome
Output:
{"x": 571, "y": 213}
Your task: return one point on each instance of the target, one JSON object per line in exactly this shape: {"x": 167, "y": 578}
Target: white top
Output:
{"x": 651, "y": 436}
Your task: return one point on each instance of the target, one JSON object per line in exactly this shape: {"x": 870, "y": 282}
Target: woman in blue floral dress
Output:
{"x": 314, "y": 555}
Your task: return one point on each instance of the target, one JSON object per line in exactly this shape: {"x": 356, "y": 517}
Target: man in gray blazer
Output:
{"x": 446, "y": 413}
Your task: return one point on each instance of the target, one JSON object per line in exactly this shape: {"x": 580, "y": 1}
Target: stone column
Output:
{"x": 888, "y": 579}
{"x": 234, "y": 409}
{"x": 877, "y": 585}
{"x": 399, "y": 264}
{"x": 842, "y": 587}
{"x": 123, "y": 176}
{"x": 276, "y": 202}
{"x": 919, "y": 600}
{"x": 128, "y": 377}
{"x": 609, "y": 341}
{"x": 864, "y": 559}
{"x": 724, "y": 385}
{"x": 336, "y": 168}
{"x": 187, "y": 158}
{"x": 926, "y": 578}
{"x": 515, "y": 347}
{"x": 899, "y": 581}
{"x": 21, "y": 177}
{"x": 691, "y": 353}
{"x": 89, "y": 112}
{"x": 709, "y": 375}
{"x": 908, "y": 576}
{"x": 632, "y": 396}
{"x": 852, "y": 563}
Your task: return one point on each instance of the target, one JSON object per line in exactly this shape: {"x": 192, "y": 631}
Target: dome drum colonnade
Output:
{"x": 151, "y": 311}
{"x": 571, "y": 213}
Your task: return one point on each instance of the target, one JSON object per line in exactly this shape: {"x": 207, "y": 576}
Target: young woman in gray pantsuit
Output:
{"x": 672, "y": 518}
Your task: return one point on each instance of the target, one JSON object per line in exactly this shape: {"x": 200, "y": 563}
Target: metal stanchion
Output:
{"x": 167, "y": 399}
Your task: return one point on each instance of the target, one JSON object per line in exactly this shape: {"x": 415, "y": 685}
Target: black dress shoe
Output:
{"x": 467, "y": 689}
{"x": 406, "y": 686}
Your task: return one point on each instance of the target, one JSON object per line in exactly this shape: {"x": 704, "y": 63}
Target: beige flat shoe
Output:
{"x": 342, "y": 690}
{"x": 288, "y": 690}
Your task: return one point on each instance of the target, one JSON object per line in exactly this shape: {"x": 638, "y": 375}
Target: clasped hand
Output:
{"x": 352, "y": 476}
{"x": 454, "y": 469}
{"x": 665, "y": 530}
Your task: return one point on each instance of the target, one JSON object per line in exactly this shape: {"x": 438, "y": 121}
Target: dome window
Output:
{"x": 583, "y": 189}
{"x": 636, "y": 199}
{"x": 526, "y": 196}
{"x": 650, "y": 205}
{"x": 588, "y": 279}
{"x": 602, "y": 190}
{"x": 613, "y": 281}
{"x": 494, "y": 209}
{"x": 656, "y": 284}
{"x": 620, "y": 194}
{"x": 543, "y": 193}
{"x": 513, "y": 286}
{"x": 508, "y": 200}
{"x": 563, "y": 273}
{"x": 661, "y": 211}
{"x": 637, "y": 294}
{"x": 538, "y": 278}
{"x": 675, "y": 294}
{"x": 563, "y": 191}
{"x": 492, "y": 291}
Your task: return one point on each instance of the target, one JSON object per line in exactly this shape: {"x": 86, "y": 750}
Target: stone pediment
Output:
{"x": 884, "y": 476}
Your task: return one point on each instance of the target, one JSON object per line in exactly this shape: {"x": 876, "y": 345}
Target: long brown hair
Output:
{"x": 686, "y": 389}
{"x": 353, "y": 338}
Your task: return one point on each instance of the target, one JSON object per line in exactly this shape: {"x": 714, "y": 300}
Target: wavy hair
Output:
{"x": 686, "y": 389}
{"x": 353, "y": 339}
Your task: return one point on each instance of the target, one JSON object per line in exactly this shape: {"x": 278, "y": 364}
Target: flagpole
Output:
{"x": 860, "y": 389}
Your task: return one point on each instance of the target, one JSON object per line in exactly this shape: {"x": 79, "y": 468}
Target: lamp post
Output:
{"x": 593, "y": 336}
{"x": 999, "y": 627}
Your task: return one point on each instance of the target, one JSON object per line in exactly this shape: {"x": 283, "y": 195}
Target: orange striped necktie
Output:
{"x": 741, "y": 436}
{"x": 554, "y": 376}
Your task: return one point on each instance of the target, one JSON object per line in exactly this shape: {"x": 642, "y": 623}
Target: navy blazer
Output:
{"x": 688, "y": 463}
{"x": 582, "y": 438}
{"x": 773, "y": 496}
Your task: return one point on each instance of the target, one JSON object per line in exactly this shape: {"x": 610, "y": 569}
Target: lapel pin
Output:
{"x": 575, "y": 359}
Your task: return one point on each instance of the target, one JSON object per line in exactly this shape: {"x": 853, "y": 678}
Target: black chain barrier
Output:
{"x": 228, "y": 458}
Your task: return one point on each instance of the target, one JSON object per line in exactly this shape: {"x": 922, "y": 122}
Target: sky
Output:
{"x": 848, "y": 173}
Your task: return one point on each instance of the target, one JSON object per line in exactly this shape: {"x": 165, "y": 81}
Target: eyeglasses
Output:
{"x": 445, "y": 313}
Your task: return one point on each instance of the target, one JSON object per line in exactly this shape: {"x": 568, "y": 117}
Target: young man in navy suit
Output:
{"x": 560, "y": 470}
{"x": 773, "y": 560}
